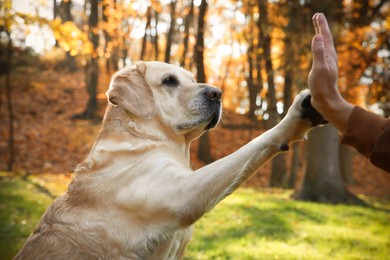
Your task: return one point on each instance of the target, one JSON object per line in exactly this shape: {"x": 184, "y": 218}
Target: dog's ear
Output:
{"x": 130, "y": 90}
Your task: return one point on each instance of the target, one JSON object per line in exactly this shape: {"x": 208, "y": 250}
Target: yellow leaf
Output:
{"x": 73, "y": 52}
{"x": 387, "y": 23}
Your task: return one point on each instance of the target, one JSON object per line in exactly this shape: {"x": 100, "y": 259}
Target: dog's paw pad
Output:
{"x": 308, "y": 112}
{"x": 306, "y": 102}
{"x": 284, "y": 147}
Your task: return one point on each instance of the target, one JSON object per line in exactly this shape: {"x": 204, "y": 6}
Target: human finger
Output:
{"x": 318, "y": 50}
{"x": 315, "y": 25}
{"x": 322, "y": 27}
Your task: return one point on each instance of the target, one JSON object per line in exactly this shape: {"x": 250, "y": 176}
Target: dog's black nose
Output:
{"x": 213, "y": 94}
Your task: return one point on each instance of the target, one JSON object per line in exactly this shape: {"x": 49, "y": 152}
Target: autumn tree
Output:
{"x": 204, "y": 143}
{"x": 278, "y": 173}
{"x": 66, "y": 17}
{"x": 147, "y": 32}
{"x": 254, "y": 60}
{"x": 323, "y": 180}
{"x": 296, "y": 48}
{"x": 171, "y": 31}
{"x": 265, "y": 40}
{"x": 110, "y": 35}
{"x": 92, "y": 67}
{"x": 367, "y": 70}
{"x": 155, "y": 36}
{"x": 6, "y": 63}
{"x": 188, "y": 20}
{"x": 364, "y": 45}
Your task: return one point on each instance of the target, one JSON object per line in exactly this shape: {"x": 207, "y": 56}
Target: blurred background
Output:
{"x": 57, "y": 57}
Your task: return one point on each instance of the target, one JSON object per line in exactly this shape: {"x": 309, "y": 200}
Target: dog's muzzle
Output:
{"x": 213, "y": 97}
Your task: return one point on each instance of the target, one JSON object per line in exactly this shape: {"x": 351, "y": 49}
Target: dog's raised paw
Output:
{"x": 308, "y": 112}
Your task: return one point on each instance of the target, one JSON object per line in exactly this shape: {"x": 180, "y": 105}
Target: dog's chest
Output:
{"x": 170, "y": 246}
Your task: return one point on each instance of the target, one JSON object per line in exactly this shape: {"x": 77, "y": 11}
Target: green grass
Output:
{"x": 22, "y": 202}
{"x": 259, "y": 225}
{"x": 248, "y": 225}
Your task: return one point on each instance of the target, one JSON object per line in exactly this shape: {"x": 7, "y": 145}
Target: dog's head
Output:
{"x": 151, "y": 90}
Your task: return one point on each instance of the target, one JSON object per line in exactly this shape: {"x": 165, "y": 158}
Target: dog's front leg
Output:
{"x": 210, "y": 184}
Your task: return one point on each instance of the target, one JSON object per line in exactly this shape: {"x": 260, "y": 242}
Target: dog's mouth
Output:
{"x": 208, "y": 122}
{"x": 215, "y": 117}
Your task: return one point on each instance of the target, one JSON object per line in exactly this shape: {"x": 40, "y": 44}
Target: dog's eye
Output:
{"x": 170, "y": 81}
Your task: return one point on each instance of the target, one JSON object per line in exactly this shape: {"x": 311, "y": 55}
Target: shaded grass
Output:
{"x": 23, "y": 199}
{"x": 247, "y": 225}
{"x": 257, "y": 225}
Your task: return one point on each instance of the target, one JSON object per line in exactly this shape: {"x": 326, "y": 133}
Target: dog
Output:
{"x": 135, "y": 195}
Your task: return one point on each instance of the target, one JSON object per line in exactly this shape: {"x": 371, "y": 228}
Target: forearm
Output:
{"x": 217, "y": 180}
{"x": 335, "y": 109}
{"x": 363, "y": 130}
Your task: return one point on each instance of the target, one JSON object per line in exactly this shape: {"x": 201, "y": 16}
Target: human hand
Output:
{"x": 300, "y": 118}
{"x": 326, "y": 98}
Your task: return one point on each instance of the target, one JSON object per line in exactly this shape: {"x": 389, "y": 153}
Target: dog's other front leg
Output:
{"x": 210, "y": 184}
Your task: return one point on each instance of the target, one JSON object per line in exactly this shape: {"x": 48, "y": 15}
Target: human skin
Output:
{"x": 326, "y": 98}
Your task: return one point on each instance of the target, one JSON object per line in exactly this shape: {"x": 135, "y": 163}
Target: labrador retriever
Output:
{"x": 135, "y": 196}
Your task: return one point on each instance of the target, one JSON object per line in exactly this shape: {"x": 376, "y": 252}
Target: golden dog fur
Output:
{"x": 135, "y": 196}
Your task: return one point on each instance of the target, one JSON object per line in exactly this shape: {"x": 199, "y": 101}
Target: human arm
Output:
{"x": 367, "y": 132}
{"x": 326, "y": 98}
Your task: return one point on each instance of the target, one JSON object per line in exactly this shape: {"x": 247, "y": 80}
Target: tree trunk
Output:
{"x": 11, "y": 150}
{"x": 199, "y": 50}
{"x": 93, "y": 76}
{"x": 279, "y": 168}
{"x": 188, "y": 21}
{"x": 124, "y": 51}
{"x": 346, "y": 157}
{"x": 204, "y": 153}
{"x": 279, "y": 171}
{"x": 253, "y": 88}
{"x": 204, "y": 149}
{"x": 115, "y": 48}
{"x": 295, "y": 163}
{"x": 92, "y": 67}
{"x": 323, "y": 181}
{"x": 291, "y": 53}
{"x": 156, "y": 17}
{"x": 288, "y": 80}
{"x": 253, "y": 66}
{"x": 144, "y": 40}
{"x": 278, "y": 174}
{"x": 55, "y": 9}
{"x": 251, "y": 84}
{"x": 265, "y": 39}
{"x": 66, "y": 16}
{"x": 107, "y": 36}
{"x": 170, "y": 32}
{"x": 55, "y": 15}
{"x": 259, "y": 68}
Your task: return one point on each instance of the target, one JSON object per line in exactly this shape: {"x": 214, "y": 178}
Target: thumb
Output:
{"x": 318, "y": 50}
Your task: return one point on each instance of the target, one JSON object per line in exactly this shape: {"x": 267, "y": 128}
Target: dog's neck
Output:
{"x": 122, "y": 132}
